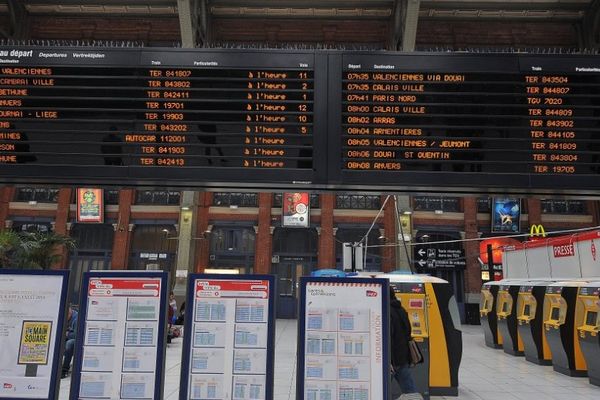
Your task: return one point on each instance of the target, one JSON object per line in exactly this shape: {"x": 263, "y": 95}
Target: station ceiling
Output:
{"x": 400, "y": 16}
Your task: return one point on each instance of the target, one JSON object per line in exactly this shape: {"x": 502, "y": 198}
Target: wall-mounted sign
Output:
{"x": 121, "y": 336}
{"x": 343, "y": 339}
{"x": 229, "y": 340}
{"x": 296, "y": 209}
{"x": 32, "y": 310}
{"x": 506, "y": 215}
{"x": 90, "y": 205}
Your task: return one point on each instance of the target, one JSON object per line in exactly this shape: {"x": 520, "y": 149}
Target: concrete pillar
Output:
{"x": 534, "y": 212}
{"x": 203, "y": 229}
{"x": 123, "y": 229}
{"x": 186, "y": 241}
{"x": 326, "y": 255}
{"x": 264, "y": 237}
{"x": 404, "y": 218}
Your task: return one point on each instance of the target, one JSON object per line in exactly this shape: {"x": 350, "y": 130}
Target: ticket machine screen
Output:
{"x": 505, "y": 307}
{"x": 554, "y": 315}
{"x": 527, "y": 310}
{"x": 591, "y": 318}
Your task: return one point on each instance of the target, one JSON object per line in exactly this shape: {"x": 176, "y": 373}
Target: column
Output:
{"x": 534, "y": 212}
{"x": 326, "y": 255}
{"x": 123, "y": 228}
{"x": 7, "y": 193}
{"x": 473, "y": 271}
{"x": 203, "y": 231}
{"x": 264, "y": 238}
{"x": 388, "y": 252}
{"x": 186, "y": 243}
{"x": 62, "y": 225}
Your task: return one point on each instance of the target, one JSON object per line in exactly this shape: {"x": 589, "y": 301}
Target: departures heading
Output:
{"x": 313, "y": 119}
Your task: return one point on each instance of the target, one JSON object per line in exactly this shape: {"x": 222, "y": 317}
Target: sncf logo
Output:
{"x": 371, "y": 293}
{"x": 8, "y": 386}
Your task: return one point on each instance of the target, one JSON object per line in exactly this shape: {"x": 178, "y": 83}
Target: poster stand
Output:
{"x": 343, "y": 339}
{"x": 121, "y": 336}
{"x": 32, "y": 304}
{"x": 229, "y": 337}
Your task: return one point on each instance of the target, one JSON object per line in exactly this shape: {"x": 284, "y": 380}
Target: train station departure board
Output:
{"x": 147, "y": 115}
{"x": 318, "y": 120}
{"x": 483, "y": 120}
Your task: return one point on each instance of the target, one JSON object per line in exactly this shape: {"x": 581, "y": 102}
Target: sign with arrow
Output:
{"x": 434, "y": 257}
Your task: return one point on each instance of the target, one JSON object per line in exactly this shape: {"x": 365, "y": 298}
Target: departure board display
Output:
{"x": 192, "y": 116}
{"x": 301, "y": 120}
{"x": 490, "y": 120}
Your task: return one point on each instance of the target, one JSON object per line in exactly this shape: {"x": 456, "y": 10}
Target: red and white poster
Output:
{"x": 229, "y": 348}
{"x": 296, "y": 208}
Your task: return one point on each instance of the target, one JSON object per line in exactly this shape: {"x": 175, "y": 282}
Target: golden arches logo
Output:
{"x": 537, "y": 230}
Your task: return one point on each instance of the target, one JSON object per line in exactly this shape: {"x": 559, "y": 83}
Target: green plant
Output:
{"x": 9, "y": 244}
{"x": 38, "y": 250}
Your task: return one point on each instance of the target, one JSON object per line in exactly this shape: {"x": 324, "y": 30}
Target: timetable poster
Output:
{"x": 343, "y": 339}
{"x": 228, "y": 348}
{"x": 32, "y": 312}
{"x": 121, "y": 336}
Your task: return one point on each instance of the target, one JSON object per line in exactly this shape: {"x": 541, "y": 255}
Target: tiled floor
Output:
{"x": 485, "y": 374}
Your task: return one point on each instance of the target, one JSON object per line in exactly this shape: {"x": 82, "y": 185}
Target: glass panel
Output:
{"x": 157, "y": 197}
{"x": 225, "y": 199}
{"x": 564, "y": 206}
{"x": 358, "y": 202}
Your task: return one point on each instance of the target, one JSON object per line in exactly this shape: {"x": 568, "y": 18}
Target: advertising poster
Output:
{"x": 121, "y": 336}
{"x": 343, "y": 335}
{"x": 228, "y": 349}
{"x": 90, "y": 205}
{"x": 506, "y": 215}
{"x": 296, "y": 208}
{"x": 32, "y": 312}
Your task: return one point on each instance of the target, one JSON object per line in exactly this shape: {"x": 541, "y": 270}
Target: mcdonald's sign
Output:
{"x": 537, "y": 230}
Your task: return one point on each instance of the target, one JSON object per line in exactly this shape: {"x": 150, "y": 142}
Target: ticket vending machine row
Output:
{"x": 530, "y": 317}
{"x": 506, "y": 310}
{"x": 589, "y": 328}
{"x": 435, "y": 322}
{"x": 488, "y": 317}
{"x": 560, "y": 314}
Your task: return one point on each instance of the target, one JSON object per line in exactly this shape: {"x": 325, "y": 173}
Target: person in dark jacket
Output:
{"x": 400, "y": 336}
{"x": 70, "y": 336}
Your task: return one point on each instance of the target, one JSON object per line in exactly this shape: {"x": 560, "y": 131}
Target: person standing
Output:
{"x": 70, "y": 337}
{"x": 399, "y": 338}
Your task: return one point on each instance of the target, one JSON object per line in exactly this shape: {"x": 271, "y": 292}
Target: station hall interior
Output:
{"x": 493, "y": 346}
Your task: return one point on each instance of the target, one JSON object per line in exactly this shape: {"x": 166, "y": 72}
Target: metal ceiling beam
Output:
{"x": 165, "y": 3}
{"x": 188, "y": 22}
{"x": 18, "y": 20}
{"x": 590, "y": 27}
{"x": 405, "y": 20}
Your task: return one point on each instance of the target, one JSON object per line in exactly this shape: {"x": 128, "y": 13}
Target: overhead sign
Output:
{"x": 434, "y": 257}
{"x": 296, "y": 207}
{"x": 343, "y": 339}
{"x": 229, "y": 339}
{"x": 32, "y": 314}
{"x": 121, "y": 336}
{"x": 90, "y": 205}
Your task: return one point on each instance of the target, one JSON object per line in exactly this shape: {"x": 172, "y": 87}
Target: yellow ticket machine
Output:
{"x": 435, "y": 322}
{"x": 588, "y": 305}
{"x": 561, "y": 331}
{"x": 488, "y": 317}
{"x": 530, "y": 317}
{"x": 506, "y": 310}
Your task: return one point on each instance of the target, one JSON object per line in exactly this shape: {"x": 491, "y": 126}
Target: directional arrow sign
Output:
{"x": 421, "y": 252}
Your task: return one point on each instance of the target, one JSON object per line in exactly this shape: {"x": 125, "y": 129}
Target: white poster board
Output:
{"x": 343, "y": 334}
{"x": 121, "y": 336}
{"x": 229, "y": 339}
{"x": 32, "y": 307}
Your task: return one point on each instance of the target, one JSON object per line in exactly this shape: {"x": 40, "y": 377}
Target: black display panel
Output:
{"x": 486, "y": 121}
{"x": 168, "y": 117}
{"x": 321, "y": 120}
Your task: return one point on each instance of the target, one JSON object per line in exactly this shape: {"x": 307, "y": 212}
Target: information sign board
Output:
{"x": 121, "y": 336}
{"x": 32, "y": 310}
{"x": 229, "y": 337}
{"x": 343, "y": 339}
